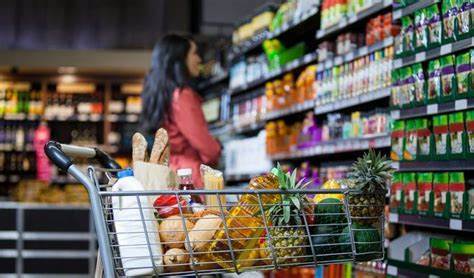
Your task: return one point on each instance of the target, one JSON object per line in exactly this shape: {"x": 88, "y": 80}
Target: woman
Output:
{"x": 170, "y": 102}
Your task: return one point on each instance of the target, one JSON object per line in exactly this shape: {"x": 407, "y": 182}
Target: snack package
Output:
{"x": 457, "y": 135}
{"x": 425, "y": 139}
{"x": 470, "y": 133}
{"x": 411, "y": 141}
{"x": 395, "y": 90}
{"x": 434, "y": 81}
{"x": 425, "y": 189}
{"x": 408, "y": 35}
{"x": 441, "y": 138}
{"x": 398, "y": 45}
{"x": 440, "y": 255}
{"x": 410, "y": 92}
{"x": 213, "y": 180}
{"x": 472, "y": 65}
{"x": 457, "y": 188}
{"x": 434, "y": 26}
{"x": 450, "y": 11}
{"x": 397, "y": 140}
{"x": 463, "y": 257}
{"x": 409, "y": 193}
{"x": 463, "y": 75}
{"x": 396, "y": 201}
{"x": 448, "y": 78}
{"x": 403, "y": 88}
{"x": 464, "y": 20}
{"x": 419, "y": 84}
{"x": 440, "y": 192}
{"x": 421, "y": 36}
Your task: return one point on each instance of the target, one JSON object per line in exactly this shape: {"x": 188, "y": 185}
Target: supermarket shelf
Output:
{"x": 297, "y": 63}
{"x": 77, "y": 118}
{"x": 362, "y": 51}
{"x": 434, "y": 166}
{"x": 20, "y": 117}
{"x": 129, "y": 118}
{"x": 434, "y": 53}
{"x": 432, "y": 222}
{"x": 398, "y": 13}
{"x": 248, "y": 128}
{"x": 397, "y": 268}
{"x": 344, "y": 23}
{"x": 213, "y": 81}
{"x": 11, "y": 148}
{"x": 252, "y": 44}
{"x": 337, "y": 146}
{"x": 354, "y": 101}
{"x": 297, "y": 108}
{"x": 10, "y": 178}
{"x": 433, "y": 109}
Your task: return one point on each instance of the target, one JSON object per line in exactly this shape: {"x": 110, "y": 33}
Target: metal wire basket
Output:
{"x": 235, "y": 235}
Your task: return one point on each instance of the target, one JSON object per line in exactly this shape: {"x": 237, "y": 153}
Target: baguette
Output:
{"x": 165, "y": 156}
{"x": 161, "y": 140}
{"x": 139, "y": 146}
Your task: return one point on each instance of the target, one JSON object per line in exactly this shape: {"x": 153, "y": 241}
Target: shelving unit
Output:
{"x": 397, "y": 268}
{"x": 213, "y": 81}
{"x": 432, "y": 222}
{"x": 434, "y": 166}
{"x": 433, "y": 109}
{"x": 403, "y": 11}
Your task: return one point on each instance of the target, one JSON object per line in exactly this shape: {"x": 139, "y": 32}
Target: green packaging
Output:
{"x": 457, "y": 136}
{"x": 425, "y": 193}
{"x": 421, "y": 33}
{"x": 441, "y": 138}
{"x": 440, "y": 195}
{"x": 397, "y": 140}
{"x": 464, "y": 19}
{"x": 408, "y": 35}
{"x": 457, "y": 195}
{"x": 434, "y": 81}
{"x": 448, "y": 78}
{"x": 440, "y": 256}
{"x": 411, "y": 141}
{"x": 409, "y": 193}
{"x": 449, "y": 11}
{"x": 395, "y": 90}
{"x": 396, "y": 193}
{"x": 470, "y": 133}
{"x": 463, "y": 257}
{"x": 434, "y": 26}
{"x": 463, "y": 75}
{"x": 409, "y": 88}
{"x": 425, "y": 139}
{"x": 419, "y": 84}
{"x": 472, "y": 67}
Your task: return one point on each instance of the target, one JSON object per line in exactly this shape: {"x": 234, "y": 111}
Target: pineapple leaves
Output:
{"x": 296, "y": 201}
{"x": 371, "y": 172}
{"x": 286, "y": 211}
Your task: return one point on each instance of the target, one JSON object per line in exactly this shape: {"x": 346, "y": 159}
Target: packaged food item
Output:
{"x": 472, "y": 65}
{"x": 409, "y": 193}
{"x": 434, "y": 26}
{"x": 440, "y": 255}
{"x": 448, "y": 78}
{"x": 463, "y": 75}
{"x": 408, "y": 35}
{"x": 463, "y": 257}
{"x": 409, "y": 89}
{"x": 464, "y": 18}
{"x": 470, "y": 133}
{"x": 440, "y": 189}
{"x": 397, "y": 140}
{"x": 441, "y": 138}
{"x": 457, "y": 135}
{"x": 450, "y": 11}
{"x": 167, "y": 205}
{"x": 185, "y": 181}
{"x": 395, "y": 89}
{"x": 425, "y": 189}
{"x": 396, "y": 190}
{"x": 425, "y": 139}
{"x": 457, "y": 189}
{"x": 421, "y": 36}
{"x": 434, "y": 81}
{"x": 419, "y": 84}
{"x": 270, "y": 94}
{"x": 411, "y": 142}
{"x": 213, "y": 180}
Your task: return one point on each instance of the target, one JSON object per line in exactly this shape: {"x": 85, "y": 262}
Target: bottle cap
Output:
{"x": 125, "y": 173}
{"x": 185, "y": 172}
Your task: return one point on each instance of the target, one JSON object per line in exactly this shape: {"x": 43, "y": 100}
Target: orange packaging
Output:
{"x": 270, "y": 94}
{"x": 280, "y": 100}
{"x": 310, "y": 82}
{"x": 271, "y": 135}
{"x": 301, "y": 87}
{"x": 282, "y": 137}
{"x": 288, "y": 88}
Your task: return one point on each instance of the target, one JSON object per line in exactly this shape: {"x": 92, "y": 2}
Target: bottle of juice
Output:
{"x": 244, "y": 228}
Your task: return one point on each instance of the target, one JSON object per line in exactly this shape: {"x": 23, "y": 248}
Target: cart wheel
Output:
{"x": 99, "y": 269}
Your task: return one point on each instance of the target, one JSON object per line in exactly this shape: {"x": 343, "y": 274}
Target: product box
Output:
{"x": 397, "y": 140}
{"x": 425, "y": 193}
{"x": 410, "y": 195}
{"x": 457, "y": 136}
{"x": 441, "y": 137}
{"x": 440, "y": 195}
{"x": 425, "y": 139}
{"x": 411, "y": 141}
{"x": 396, "y": 193}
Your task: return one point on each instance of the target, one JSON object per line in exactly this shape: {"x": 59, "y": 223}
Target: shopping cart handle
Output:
{"x": 60, "y": 155}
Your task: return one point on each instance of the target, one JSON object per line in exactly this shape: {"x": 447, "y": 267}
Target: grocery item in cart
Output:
{"x": 213, "y": 180}
{"x": 176, "y": 260}
{"x": 140, "y": 248}
{"x": 173, "y": 232}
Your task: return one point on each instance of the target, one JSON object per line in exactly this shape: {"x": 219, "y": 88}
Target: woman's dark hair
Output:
{"x": 168, "y": 71}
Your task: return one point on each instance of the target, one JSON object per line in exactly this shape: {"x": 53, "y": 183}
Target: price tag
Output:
{"x": 395, "y": 114}
{"x": 432, "y": 109}
{"x": 338, "y": 60}
{"x": 349, "y": 56}
{"x": 397, "y": 63}
{"x": 397, "y": 14}
{"x": 460, "y": 104}
{"x": 307, "y": 58}
{"x": 420, "y": 56}
{"x": 113, "y": 118}
{"x": 132, "y": 118}
{"x": 392, "y": 270}
{"x": 455, "y": 224}
{"x": 396, "y": 165}
{"x": 363, "y": 51}
{"x": 393, "y": 217}
{"x": 82, "y": 117}
{"x": 446, "y": 49}
{"x": 95, "y": 117}
{"x": 433, "y": 276}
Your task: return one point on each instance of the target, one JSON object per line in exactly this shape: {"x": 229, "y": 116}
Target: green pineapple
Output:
{"x": 369, "y": 176}
{"x": 288, "y": 242}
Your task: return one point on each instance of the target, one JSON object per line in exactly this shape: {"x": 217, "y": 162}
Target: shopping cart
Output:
{"x": 230, "y": 236}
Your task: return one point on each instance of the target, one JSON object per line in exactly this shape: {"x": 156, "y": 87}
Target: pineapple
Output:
{"x": 368, "y": 176}
{"x": 288, "y": 242}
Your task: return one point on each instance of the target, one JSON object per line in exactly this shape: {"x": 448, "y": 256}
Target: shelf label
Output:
{"x": 433, "y": 276}
{"x": 395, "y": 114}
{"x": 397, "y": 63}
{"x": 420, "y": 56}
{"x": 132, "y": 118}
{"x": 393, "y": 217}
{"x": 397, "y": 14}
{"x": 460, "y": 104}
{"x": 363, "y": 51}
{"x": 455, "y": 224}
{"x": 432, "y": 109}
{"x": 396, "y": 165}
{"x": 307, "y": 58}
{"x": 338, "y": 60}
{"x": 446, "y": 49}
{"x": 349, "y": 56}
{"x": 82, "y": 117}
{"x": 392, "y": 270}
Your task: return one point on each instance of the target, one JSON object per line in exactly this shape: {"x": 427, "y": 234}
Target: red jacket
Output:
{"x": 190, "y": 141}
